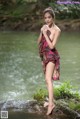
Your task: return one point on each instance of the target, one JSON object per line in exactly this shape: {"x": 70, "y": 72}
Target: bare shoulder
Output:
{"x": 57, "y": 29}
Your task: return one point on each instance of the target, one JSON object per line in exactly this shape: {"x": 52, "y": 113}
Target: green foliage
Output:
{"x": 40, "y": 94}
{"x": 66, "y": 11}
{"x": 62, "y": 11}
{"x": 18, "y": 10}
{"x": 43, "y": 2}
{"x": 10, "y": 2}
{"x": 64, "y": 91}
{"x": 72, "y": 105}
{"x": 30, "y": 0}
{"x": 75, "y": 106}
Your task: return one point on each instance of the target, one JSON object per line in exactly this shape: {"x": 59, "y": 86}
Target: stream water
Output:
{"x": 20, "y": 65}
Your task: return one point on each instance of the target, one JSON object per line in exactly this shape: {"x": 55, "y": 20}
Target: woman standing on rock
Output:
{"x": 49, "y": 55}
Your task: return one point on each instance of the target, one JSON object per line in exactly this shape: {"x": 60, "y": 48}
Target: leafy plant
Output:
{"x": 74, "y": 106}
{"x": 64, "y": 91}
{"x": 40, "y": 94}
{"x": 66, "y": 11}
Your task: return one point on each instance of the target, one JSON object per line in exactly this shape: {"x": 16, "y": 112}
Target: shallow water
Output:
{"x": 24, "y": 115}
{"x": 20, "y": 66}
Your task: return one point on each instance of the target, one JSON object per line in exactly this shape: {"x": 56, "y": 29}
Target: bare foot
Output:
{"x": 50, "y": 109}
{"x": 46, "y": 104}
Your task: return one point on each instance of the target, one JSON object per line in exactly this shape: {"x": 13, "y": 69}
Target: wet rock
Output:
{"x": 29, "y": 106}
{"x": 62, "y": 105}
{"x": 34, "y": 107}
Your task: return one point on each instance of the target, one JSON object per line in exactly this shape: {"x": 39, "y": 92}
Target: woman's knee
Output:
{"x": 48, "y": 80}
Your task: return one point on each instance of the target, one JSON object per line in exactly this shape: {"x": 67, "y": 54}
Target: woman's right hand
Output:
{"x": 44, "y": 28}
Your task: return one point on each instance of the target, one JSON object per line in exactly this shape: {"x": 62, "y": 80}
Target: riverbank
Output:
{"x": 67, "y": 105}
{"x": 31, "y": 109}
{"x": 27, "y": 16}
{"x": 66, "y": 99}
{"x": 9, "y": 23}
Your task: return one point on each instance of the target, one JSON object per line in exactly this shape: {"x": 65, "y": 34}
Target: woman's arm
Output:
{"x": 41, "y": 32}
{"x": 54, "y": 39}
{"x": 39, "y": 38}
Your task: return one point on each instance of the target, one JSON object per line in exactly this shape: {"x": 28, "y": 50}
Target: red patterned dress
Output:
{"x": 49, "y": 55}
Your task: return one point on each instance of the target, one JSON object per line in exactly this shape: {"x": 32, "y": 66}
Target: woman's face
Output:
{"x": 48, "y": 18}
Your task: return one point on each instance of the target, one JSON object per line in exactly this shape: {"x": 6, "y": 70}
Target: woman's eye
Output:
{"x": 45, "y": 18}
{"x": 49, "y": 17}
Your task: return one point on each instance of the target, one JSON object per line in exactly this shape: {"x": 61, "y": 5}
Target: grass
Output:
{"x": 64, "y": 91}
{"x": 75, "y": 105}
{"x": 40, "y": 95}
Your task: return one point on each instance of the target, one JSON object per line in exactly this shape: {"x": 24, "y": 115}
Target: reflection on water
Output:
{"x": 20, "y": 67}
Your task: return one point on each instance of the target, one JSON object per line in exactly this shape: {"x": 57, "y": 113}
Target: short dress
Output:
{"x": 49, "y": 55}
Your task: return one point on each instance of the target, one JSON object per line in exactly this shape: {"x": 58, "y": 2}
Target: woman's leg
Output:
{"x": 48, "y": 77}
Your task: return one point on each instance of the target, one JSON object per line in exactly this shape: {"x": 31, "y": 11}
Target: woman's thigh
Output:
{"x": 49, "y": 70}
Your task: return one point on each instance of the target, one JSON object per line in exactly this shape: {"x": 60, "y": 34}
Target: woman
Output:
{"x": 49, "y": 55}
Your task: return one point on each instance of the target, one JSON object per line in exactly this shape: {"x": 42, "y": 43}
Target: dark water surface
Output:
{"x": 24, "y": 115}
